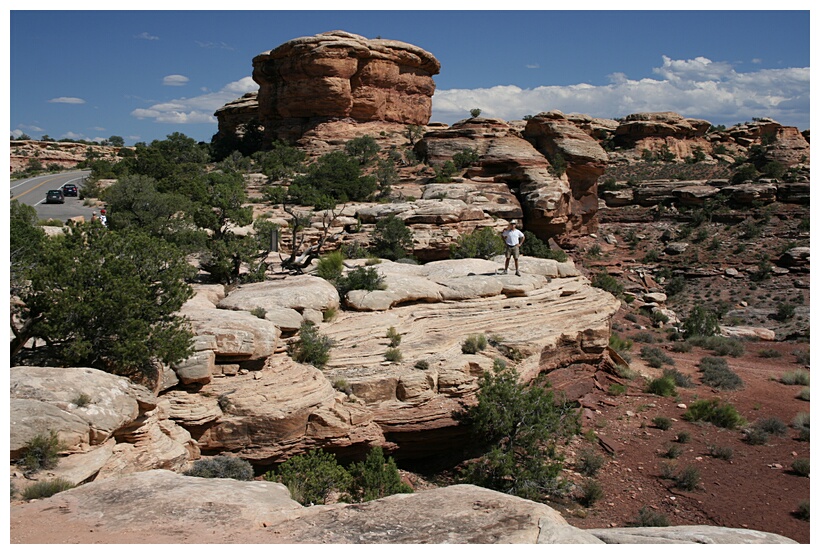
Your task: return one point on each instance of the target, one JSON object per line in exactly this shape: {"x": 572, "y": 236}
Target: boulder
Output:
{"x": 44, "y": 399}
{"x": 755, "y": 333}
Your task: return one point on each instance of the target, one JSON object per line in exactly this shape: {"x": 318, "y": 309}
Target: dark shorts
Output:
{"x": 511, "y": 251}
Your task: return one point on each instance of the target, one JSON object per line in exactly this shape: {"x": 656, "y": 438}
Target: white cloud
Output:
{"x": 198, "y": 109}
{"x": 146, "y": 36}
{"x": 175, "y": 80}
{"x": 699, "y": 88}
{"x": 532, "y": 66}
{"x": 220, "y": 45}
{"x": 67, "y": 100}
{"x": 73, "y": 136}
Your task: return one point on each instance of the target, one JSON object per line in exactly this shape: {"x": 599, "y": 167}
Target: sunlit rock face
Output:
{"x": 341, "y": 75}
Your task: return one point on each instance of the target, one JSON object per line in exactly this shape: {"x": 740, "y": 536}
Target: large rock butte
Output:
{"x": 337, "y": 75}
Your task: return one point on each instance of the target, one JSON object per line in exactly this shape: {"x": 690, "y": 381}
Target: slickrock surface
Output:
{"x": 167, "y": 508}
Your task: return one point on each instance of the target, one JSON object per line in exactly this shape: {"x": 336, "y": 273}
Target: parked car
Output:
{"x": 70, "y": 190}
{"x": 55, "y": 197}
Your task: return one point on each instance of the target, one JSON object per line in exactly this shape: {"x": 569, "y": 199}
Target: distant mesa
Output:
{"x": 333, "y": 75}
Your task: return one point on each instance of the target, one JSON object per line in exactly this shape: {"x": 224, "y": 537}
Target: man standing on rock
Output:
{"x": 513, "y": 238}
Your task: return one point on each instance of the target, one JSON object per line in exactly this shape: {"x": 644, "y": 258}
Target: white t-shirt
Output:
{"x": 512, "y": 236}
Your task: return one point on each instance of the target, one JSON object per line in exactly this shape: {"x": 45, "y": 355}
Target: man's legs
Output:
{"x": 515, "y": 255}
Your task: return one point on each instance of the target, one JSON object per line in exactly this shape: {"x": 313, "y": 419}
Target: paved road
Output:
{"x": 33, "y": 192}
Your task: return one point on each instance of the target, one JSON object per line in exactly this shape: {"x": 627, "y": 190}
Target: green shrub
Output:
{"x": 688, "y": 479}
{"x": 81, "y": 400}
{"x": 804, "y": 394}
{"x": 392, "y": 239}
{"x": 311, "y": 477}
{"x": 45, "y": 489}
{"x": 589, "y": 462}
{"x": 797, "y": 377}
{"x": 647, "y": 517}
{"x": 475, "y": 112}
{"x": 721, "y": 346}
{"x": 680, "y": 379}
{"x": 714, "y": 411}
{"x": 482, "y": 243}
{"x": 473, "y": 344}
{"x": 364, "y": 149}
{"x": 769, "y": 353}
{"x": 465, "y": 158}
{"x": 802, "y": 356}
{"x": 655, "y": 357}
{"x": 662, "y": 386}
{"x": 683, "y": 437}
{"x": 801, "y": 423}
{"x": 801, "y": 467}
{"x": 674, "y": 285}
{"x": 445, "y": 172}
{"x": 700, "y": 322}
{"x": 755, "y": 436}
{"x": 591, "y": 492}
{"x": 329, "y": 267}
{"x": 394, "y": 336}
{"x": 607, "y": 282}
{"x": 422, "y": 364}
{"x": 222, "y": 467}
{"x": 311, "y": 347}
{"x": 259, "y": 312}
{"x": 360, "y": 278}
{"x": 535, "y": 247}
{"x": 662, "y": 423}
{"x": 520, "y": 425}
{"x": 328, "y": 314}
{"x": 716, "y": 374}
{"x": 772, "y": 426}
{"x": 802, "y": 511}
{"x": 644, "y": 337}
{"x": 720, "y": 452}
{"x": 618, "y": 344}
{"x": 376, "y": 478}
{"x": 393, "y": 355}
{"x": 342, "y": 385}
{"x": 616, "y": 389}
{"x": 784, "y": 311}
{"x": 42, "y": 452}
{"x": 673, "y": 451}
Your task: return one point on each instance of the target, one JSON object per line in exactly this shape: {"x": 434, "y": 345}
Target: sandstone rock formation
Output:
{"x": 550, "y": 204}
{"x": 66, "y": 155}
{"x": 119, "y": 427}
{"x": 135, "y": 510}
{"x": 338, "y": 75}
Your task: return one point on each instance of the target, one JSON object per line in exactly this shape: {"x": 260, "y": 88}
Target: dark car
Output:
{"x": 55, "y": 197}
{"x": 70, "y": 190}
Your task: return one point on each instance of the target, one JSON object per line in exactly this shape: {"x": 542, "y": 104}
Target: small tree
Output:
{"x": 521, "y": 425}
{"x": 312, "y": 347}
{"x": 392, "y": 239}
{"x": 311, "y": 477}
{"x": 701, "y": 322}
{"x": 364, "y": 149}
{"x": 107, "y": 300}
{"x": 475, "y": 112}
{"x": 482, "y": 243}
{"x": 376, "y": 477}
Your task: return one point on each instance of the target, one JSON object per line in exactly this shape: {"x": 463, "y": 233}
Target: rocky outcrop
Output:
{"x": 66, "y": 155}
{"x": 551, "y": 204}
{"x": 137, "y": 509}
{"x": 113, "y": 425}
{"x": 338, "y": 75}
{"x": 234, "y": 117}
{"x": 558, "y": 138}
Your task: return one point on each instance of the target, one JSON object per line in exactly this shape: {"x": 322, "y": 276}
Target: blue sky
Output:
{"x": 142, "y": 75}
